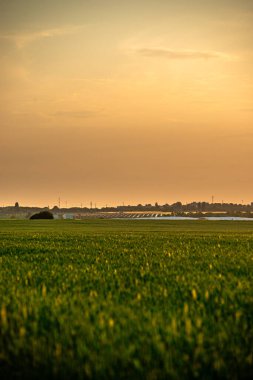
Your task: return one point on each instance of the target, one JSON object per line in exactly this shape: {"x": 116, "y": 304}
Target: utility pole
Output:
{"x": 59, "y": 202}
{"x": 212, "y": 199}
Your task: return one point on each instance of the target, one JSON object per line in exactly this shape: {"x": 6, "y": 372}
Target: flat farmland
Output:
{"x": 126, "y": 299}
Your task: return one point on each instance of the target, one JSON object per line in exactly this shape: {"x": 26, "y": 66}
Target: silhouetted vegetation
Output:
{"x": 193, "y": 209}
{"x": 43, "y": 215}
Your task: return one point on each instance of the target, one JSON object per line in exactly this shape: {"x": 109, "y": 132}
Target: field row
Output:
{"x": 120, "y": 300}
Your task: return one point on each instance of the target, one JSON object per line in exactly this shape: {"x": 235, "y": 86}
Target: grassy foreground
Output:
{"x": 115, "y": 299}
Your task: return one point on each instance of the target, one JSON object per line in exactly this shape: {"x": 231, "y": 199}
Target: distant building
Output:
{"x": 68, "y": 216}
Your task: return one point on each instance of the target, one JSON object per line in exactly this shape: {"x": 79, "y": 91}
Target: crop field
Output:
{"x": 126, "y": 299}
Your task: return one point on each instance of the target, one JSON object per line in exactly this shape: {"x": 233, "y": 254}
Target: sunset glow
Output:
{"x": 126, "y": 101}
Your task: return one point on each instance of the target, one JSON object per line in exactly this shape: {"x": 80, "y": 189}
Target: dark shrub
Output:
{"x": 43, "y": 215}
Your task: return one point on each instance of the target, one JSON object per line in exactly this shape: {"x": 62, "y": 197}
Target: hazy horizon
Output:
{"x": 62, "y": 204}
{"x": 126, "y": 101}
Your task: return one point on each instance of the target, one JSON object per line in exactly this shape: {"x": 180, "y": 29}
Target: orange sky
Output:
{"x": 126, "y": 101}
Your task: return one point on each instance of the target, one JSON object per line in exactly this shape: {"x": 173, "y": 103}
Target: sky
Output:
{"x": 136, "y": 101}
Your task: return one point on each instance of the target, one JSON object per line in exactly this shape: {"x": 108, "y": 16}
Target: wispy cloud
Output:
{"x": 247, "y": 109}
{"x": 23, "y": 39}
{"x": 180, "y": 54}
{"x": 76, "y": 114}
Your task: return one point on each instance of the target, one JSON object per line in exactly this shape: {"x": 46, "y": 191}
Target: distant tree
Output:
{"x": 16, "y": 205}
{"x": 43, "y": 215}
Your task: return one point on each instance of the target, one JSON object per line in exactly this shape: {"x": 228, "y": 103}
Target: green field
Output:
{"x": 115, "y": 299}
